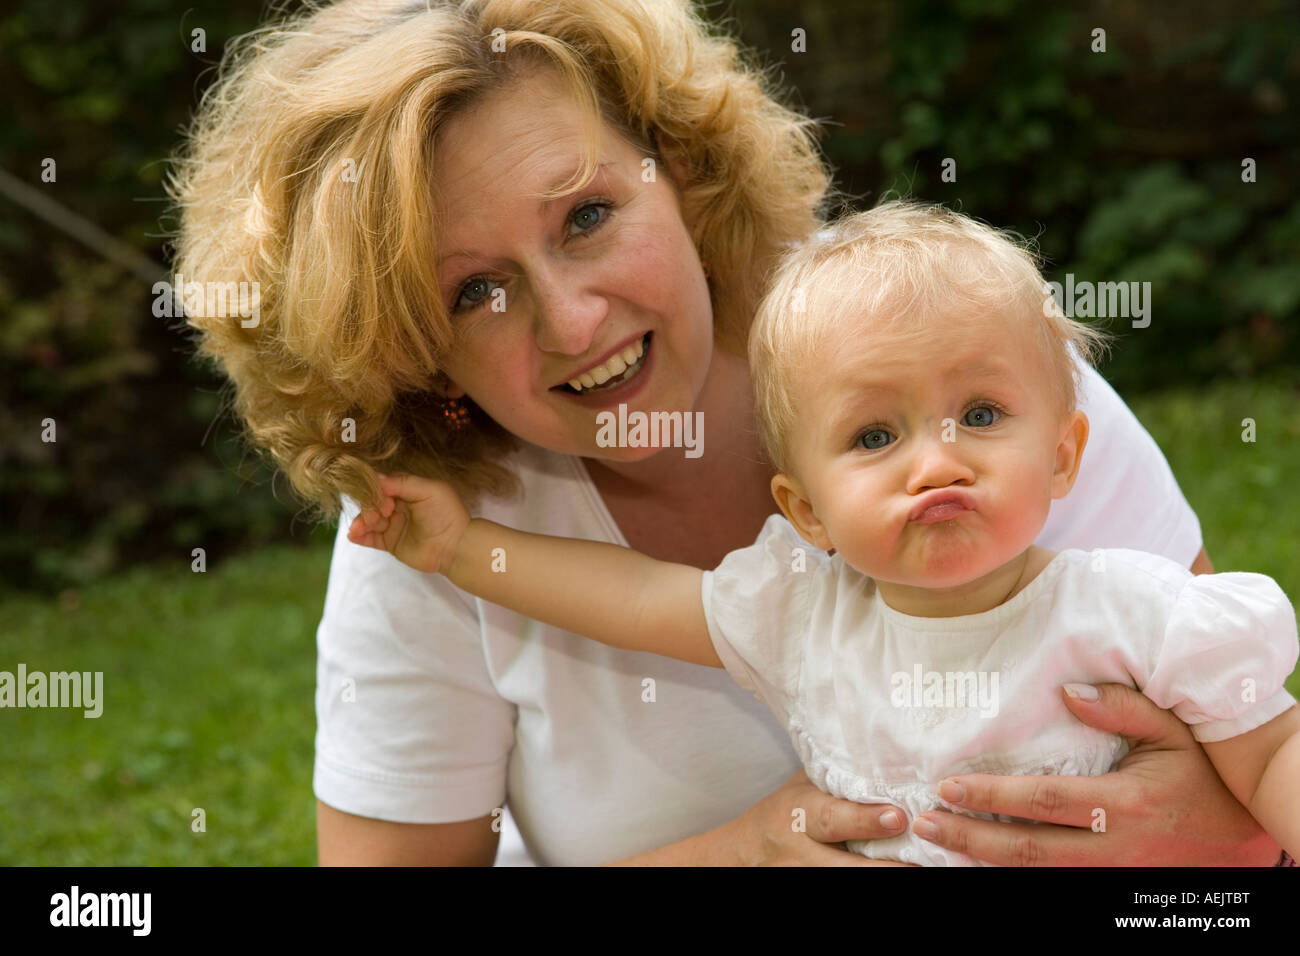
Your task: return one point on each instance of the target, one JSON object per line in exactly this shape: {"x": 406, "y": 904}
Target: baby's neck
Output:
{"x": 975, "y": 597}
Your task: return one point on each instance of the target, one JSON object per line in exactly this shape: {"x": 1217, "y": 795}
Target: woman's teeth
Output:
{"x": 618, "y": 368}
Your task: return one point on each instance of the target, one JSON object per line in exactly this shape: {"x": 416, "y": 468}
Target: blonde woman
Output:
{"x": 476, "y": 227}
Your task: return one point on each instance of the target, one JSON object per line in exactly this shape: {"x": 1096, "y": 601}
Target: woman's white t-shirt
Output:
{"x": 434, "y": 706}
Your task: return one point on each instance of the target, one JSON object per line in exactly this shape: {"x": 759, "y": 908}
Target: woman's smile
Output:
{"x": 615, "y": 380}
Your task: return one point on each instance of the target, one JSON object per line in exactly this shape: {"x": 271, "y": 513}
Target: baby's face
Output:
{"x": 931, "y": 460}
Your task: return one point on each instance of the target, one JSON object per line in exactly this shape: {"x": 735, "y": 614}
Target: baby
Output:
{"x": 916, "y": 394}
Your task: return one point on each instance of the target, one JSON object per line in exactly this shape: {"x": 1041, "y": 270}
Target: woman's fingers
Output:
{"x": 1069, "y": 801}
{"x": 829, "y": 820}
{"x": 1015, "y": 844}
{"x": 1134, "y": 815}
{"x": 1125, "y": 711}
{"x": 799, "y": 825}
{"x": 1074, "y": 801}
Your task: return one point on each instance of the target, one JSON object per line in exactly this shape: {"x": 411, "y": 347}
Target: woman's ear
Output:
{"x": 798, "y": 510}
{"x": 679, "y": 172}
{"x": 677, "y": 169}
{"x": 445, "y": 387}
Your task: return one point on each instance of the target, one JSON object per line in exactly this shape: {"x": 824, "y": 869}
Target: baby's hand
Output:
{"x": 419, "y": 521}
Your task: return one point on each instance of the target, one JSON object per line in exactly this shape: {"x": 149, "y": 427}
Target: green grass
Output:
{"x": 209, "y": 678}
{"x": 208, "y": 702}
{"x": 1243, "y": 492}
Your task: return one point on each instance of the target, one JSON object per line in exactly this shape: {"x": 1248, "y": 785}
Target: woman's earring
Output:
{"x": 705, "y": 266}
{"x": 455, "y": 415}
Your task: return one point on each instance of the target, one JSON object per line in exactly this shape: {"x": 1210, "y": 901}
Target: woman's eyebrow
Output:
{"x": 573, "y": 174}
{"x": 541, "y": 208}
{"x": 458, "y": 254}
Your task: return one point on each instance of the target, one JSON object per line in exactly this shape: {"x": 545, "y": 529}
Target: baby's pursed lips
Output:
{"x": 942, "y": 496}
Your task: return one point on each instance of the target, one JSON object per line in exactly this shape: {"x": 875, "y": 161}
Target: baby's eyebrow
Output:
{"x": 851, "y": 399}
{"x": 980, "y": 370}
{"x": 971, "y": 370}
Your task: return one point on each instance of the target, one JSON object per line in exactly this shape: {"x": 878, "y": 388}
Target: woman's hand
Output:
{"x": 765, "y": 834}
{"x": 1164, "y": 806}
{"x": 419, "y": 521}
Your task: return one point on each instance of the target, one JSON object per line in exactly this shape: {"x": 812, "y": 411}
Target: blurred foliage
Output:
{"x": 1124, "y": 165}
{"x": 143, "y": 466}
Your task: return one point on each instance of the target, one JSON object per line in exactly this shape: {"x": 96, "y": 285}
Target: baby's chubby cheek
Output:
{"x": 882, "y": 552}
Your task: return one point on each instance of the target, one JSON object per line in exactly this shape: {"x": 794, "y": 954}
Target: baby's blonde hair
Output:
{"x": 903, "y": 266}
{"x": 308, "y": 171}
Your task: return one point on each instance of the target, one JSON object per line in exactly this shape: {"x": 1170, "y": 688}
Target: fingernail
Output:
{"x": 952, "y": 791}
{"x": 1083, "y": 691}
{"x": 890, "y": 820}
{"x": 925, "y": 829}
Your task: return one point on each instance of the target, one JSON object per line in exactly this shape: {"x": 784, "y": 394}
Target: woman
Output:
{"x": 466, "y": 223}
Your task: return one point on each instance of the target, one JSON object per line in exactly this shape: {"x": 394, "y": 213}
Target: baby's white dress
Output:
{"x": 881, "y": 706}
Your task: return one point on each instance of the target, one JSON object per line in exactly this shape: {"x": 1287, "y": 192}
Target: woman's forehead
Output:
{"x": 477, "y": 187}
{"x": 489, "y": 159}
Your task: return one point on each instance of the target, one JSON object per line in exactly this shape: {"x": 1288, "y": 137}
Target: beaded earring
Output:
{"x": 455, "y": 415}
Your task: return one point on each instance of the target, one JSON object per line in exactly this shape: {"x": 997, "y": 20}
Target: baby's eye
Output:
{"x": 876, "y": 438}
{"x": 981, "y": 416}
{"x": 473, "y": 292}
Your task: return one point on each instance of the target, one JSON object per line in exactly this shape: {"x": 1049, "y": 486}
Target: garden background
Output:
{"x": 1127, "y": 165}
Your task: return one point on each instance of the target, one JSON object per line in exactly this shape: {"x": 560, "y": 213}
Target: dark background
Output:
{"x": 1126, "y": 165}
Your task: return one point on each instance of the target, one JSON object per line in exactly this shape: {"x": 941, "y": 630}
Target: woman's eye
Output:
{"x": 585, "y": 219}
{"x": 473, "y": 292}
{"x": 876, "y": 438}
{"x": 981, "y": 416}
{"x": 588, "y": 217}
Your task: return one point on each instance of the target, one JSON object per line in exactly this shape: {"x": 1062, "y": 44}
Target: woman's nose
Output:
{"x": 569, "y": 312}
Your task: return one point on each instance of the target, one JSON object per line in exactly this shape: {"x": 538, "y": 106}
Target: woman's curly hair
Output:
{"x": 307, "y": 171}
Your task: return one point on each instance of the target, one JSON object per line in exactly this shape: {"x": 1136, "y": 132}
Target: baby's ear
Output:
{"x": 798, "y": 510}
{"x": 1069, "y": 453}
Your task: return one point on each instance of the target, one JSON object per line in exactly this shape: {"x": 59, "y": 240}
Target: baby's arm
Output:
{"x": 1262, "y": 769}
{"x": 608, "y": 593}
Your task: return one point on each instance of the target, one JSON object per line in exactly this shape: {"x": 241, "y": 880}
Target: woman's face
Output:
{"x": 542, "y": 292}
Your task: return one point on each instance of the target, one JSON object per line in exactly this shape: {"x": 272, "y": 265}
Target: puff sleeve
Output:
{"x": 756, "y": 604}
{"x": 1229, "y": 646}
